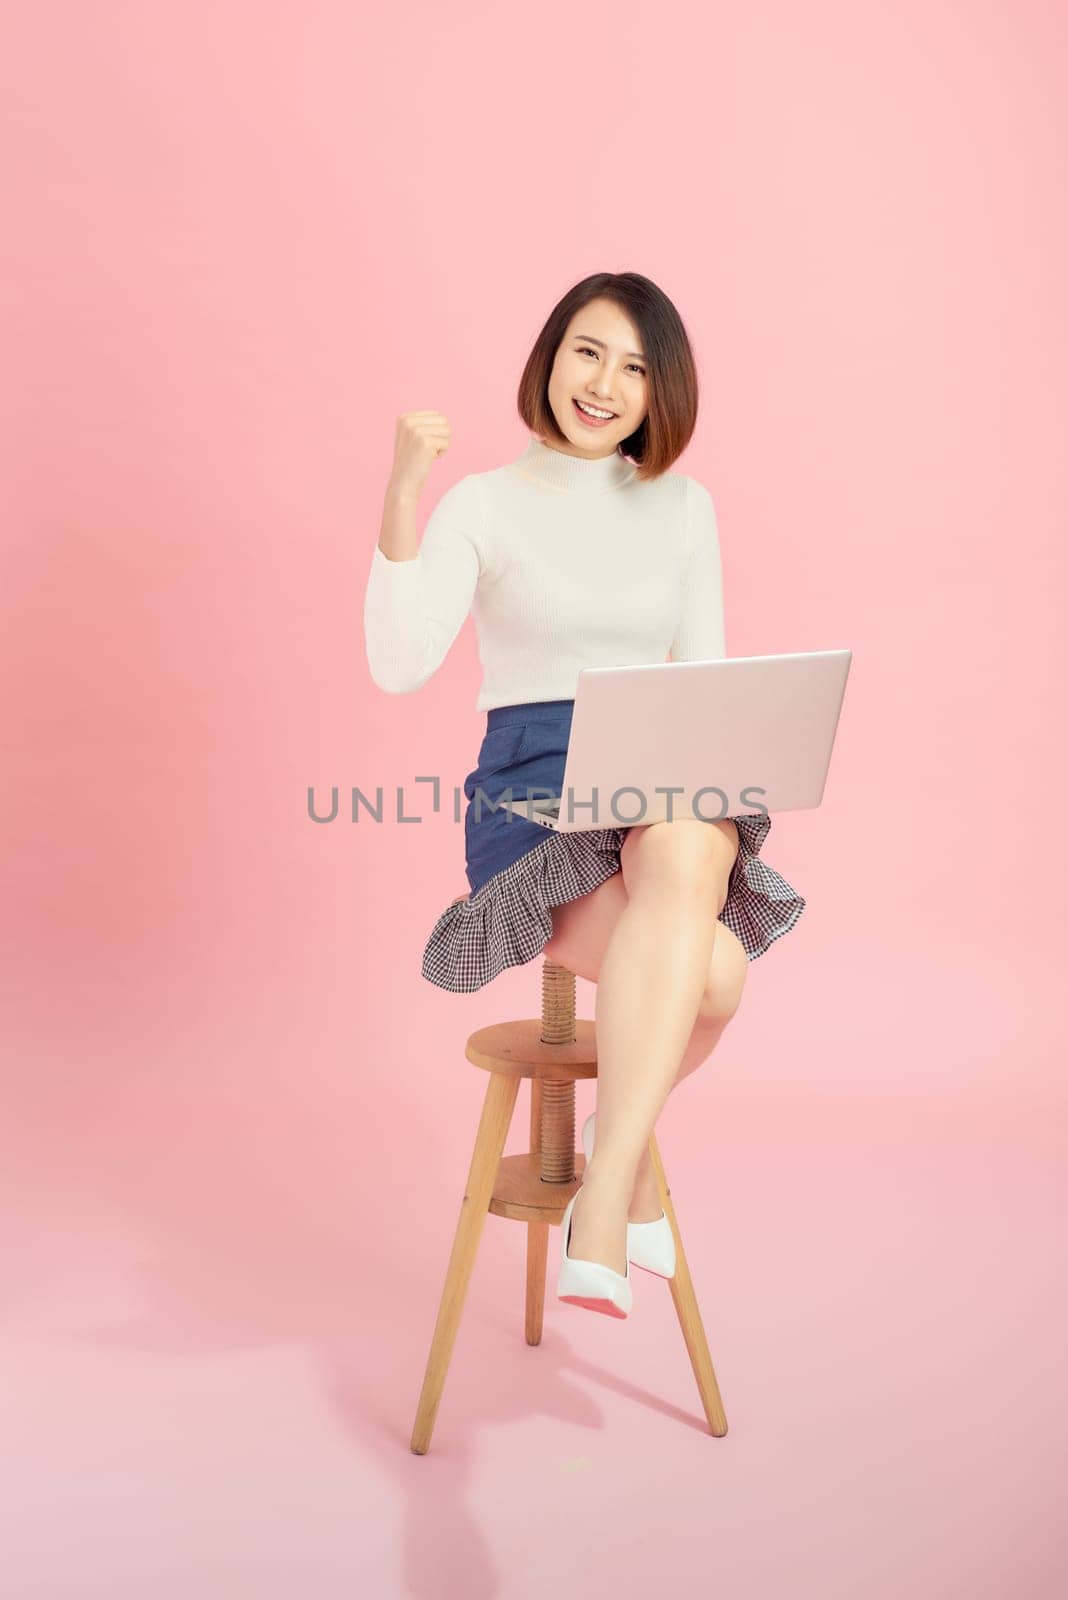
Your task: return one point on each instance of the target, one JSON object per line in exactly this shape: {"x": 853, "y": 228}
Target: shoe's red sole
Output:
{"x": 592, "y": 1303}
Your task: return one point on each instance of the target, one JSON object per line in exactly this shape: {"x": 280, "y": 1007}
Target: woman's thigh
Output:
{"x": 583, "y": 927}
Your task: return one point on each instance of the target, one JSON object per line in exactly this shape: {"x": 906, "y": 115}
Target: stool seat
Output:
{"x": 534, "y": 1187}
{"x": 518, "y": 1049}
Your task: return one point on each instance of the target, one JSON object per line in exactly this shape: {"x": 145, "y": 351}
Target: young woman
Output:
{"x": 587, "y": 550}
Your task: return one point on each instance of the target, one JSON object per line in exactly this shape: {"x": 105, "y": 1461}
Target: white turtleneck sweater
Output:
{"x": 566, "y": 563}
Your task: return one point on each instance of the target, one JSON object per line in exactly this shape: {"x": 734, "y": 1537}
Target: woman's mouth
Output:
{"x": 590, "y": 418}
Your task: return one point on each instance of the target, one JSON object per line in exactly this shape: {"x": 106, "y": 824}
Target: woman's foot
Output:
{"x": 599, "y": 1227}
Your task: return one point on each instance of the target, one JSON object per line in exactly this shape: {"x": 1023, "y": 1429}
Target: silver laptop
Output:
{"x": 745, "y": 735}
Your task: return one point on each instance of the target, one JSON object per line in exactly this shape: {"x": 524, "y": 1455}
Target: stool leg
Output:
{"x": 489, "y": 1144}
{"x": 537, "y": 1267}
{"x": 682, "y": 1292}
{"x": 537, "y": 1237}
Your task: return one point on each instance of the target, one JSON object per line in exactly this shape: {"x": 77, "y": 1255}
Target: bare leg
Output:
{"x": 645, "y": 1197}
{"x": 649, "y": 995}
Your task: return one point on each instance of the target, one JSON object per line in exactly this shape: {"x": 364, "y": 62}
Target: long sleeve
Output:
{"x": 700, "y": 633}
{"x": 414, "y": 609}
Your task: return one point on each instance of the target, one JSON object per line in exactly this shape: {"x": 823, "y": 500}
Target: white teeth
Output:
{"x": 592, "y": 412}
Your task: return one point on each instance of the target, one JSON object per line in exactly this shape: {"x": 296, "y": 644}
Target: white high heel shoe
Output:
{"x": 650, "y": 1245}
{"x": 591, "y": 1283}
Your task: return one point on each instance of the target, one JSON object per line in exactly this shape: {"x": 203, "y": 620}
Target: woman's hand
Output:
{"x": 421, "y": 437}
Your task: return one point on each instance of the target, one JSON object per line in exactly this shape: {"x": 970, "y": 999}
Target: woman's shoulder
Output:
{"x": 672, "y": 493}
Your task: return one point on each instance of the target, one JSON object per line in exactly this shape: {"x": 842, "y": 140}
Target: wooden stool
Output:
{"x": 552, "y": 1051}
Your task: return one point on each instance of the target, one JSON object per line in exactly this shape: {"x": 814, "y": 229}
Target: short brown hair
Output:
{"x": 670, "y": 368}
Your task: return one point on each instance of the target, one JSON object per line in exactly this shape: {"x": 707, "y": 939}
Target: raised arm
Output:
{"x": 700, "y": 634}
{"x": 415, "y": 606}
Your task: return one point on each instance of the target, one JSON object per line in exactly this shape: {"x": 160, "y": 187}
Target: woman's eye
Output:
{"x": 584, "y": 350}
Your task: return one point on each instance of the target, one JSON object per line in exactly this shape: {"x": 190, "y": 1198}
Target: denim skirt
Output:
{"x": 518, "y": 870}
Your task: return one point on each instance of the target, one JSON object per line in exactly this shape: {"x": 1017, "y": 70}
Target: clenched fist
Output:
{"x": 421, "y": 437}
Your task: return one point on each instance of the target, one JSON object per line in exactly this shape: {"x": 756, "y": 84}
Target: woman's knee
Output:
{"x": 685, "y": 856}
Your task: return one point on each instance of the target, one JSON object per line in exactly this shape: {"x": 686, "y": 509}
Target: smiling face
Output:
{"x": 601, "y": 364}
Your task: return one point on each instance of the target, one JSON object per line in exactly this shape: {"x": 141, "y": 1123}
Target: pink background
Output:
{"x": 237, "y": 1121}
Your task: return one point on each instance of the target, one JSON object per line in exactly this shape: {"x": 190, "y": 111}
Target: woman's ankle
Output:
{"x": 608, "y": 1183}
{"x": 645, "y": 1201}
